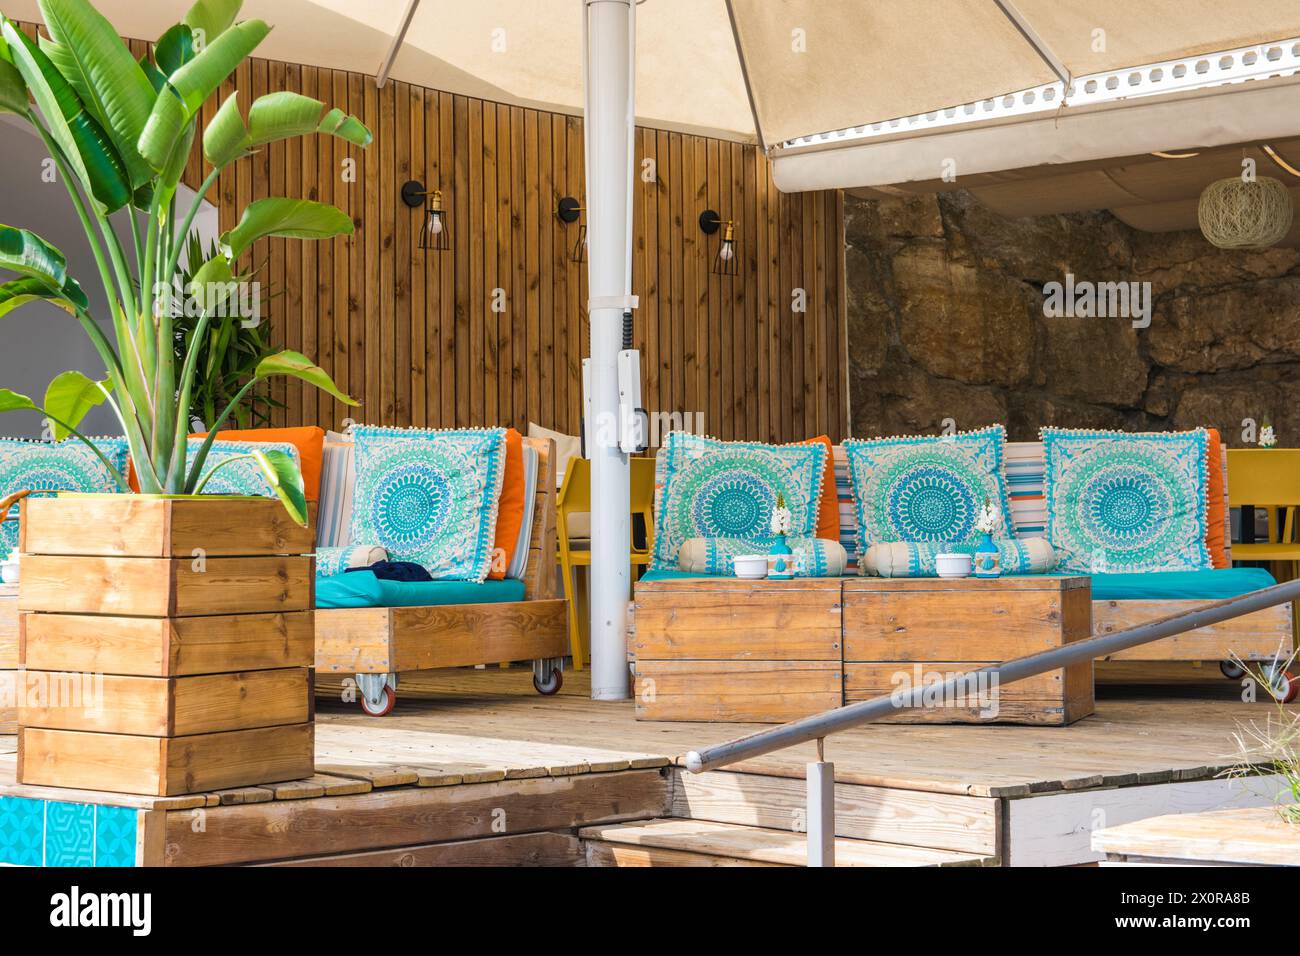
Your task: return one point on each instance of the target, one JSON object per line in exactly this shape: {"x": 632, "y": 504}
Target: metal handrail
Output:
{"x": 820, "y": 725}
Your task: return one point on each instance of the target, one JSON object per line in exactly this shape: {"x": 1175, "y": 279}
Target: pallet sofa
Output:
{"x": 789, "y": 652}
{"x": 470, "y": 624}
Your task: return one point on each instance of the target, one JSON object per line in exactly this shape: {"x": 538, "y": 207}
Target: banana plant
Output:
{"x": 121, "y": 131}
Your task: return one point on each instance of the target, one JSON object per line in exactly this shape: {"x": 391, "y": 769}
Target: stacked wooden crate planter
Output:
{"x": 185, "y": 625}
{"x": 8, "y": 658}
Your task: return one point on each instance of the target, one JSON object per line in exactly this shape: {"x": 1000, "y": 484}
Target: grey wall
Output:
{"x": 38, "y": 341}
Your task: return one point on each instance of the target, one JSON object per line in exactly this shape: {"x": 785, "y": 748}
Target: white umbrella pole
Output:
{"x": 609, "y": 63}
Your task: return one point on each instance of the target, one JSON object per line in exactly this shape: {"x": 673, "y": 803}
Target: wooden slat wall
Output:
{"x": 414, "y": 335}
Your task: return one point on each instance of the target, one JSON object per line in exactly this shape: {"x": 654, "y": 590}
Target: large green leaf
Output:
{"x": 274, "y": 117}
{"x": 212, "y": 17}
{"x": 26, "y": 253}
{"x": 297, "y": 365}
{"x": 18, "y": 292}
{"x": 213, "y": 284}
{"x": 290, "y": 218}
{"x": 13, "y": 91}
{"x": 11, "y": 401}
{"x": 90, "y": 54}
{"x": 69, "y": 397}
{"x": 285, "y": 478}
{"x": 193, "y": 83}
{"x": 174, "y": 49}
{"x": 82, "y": 140}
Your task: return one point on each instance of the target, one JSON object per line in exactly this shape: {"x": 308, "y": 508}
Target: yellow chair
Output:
{"x": 575, "y": 553}
{"x": 1267, "y": 478}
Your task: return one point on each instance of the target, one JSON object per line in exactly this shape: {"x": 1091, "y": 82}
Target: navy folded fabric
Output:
{"x": 396, "y": 571}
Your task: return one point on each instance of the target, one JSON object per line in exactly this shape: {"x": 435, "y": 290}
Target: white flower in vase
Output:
{"x": 1267, "y": 439}
{"x": 989, "y": 519}
{"x": 782, "y": 520}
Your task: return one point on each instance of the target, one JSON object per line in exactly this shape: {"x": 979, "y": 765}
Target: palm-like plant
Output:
{"x": 121, "y": 132}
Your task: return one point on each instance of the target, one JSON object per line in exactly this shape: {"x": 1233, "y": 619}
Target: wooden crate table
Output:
{"x": 723, "y": 649}
{"x": 1253, "y": 836}
{"x": 167, "y": 644}
{"x": 8, "y": 658}
{"x": 902, "y": 631}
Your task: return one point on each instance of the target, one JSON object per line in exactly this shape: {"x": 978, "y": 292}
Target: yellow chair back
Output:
{"x": 1264, "y": 477}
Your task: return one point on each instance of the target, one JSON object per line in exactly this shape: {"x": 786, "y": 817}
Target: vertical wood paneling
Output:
{"x": 413, "y": 335}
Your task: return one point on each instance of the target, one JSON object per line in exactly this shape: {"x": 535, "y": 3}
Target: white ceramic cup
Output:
{"x": 752, "y": 567}
{"x": 953, "y": 565}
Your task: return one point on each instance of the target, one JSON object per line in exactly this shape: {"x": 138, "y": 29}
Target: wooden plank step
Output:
{"x": 760, "y": 845}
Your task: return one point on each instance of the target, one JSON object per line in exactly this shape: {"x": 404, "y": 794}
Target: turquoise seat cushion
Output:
{"x": 1209, "y": 585}
{"x": 718, "y": 489}
{"x": 233, "y": 471}
{"x": 1121, "y": 502}
{"x": 927, "y": 488}
{"x": 47, "y": 467}
{"x": 430, "y": 497}
{"x": 363, "y": 589}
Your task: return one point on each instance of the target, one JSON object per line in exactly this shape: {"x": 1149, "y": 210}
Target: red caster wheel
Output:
{"x": 1283, "y": 685}
{"x": 551, "y": 686}
{"x": 385, "y": 704}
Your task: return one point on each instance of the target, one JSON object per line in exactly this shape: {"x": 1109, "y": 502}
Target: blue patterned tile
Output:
{"x": 69, "y": 834}
{"x": 115, "y": 829}
{"x": 22, "y": 825}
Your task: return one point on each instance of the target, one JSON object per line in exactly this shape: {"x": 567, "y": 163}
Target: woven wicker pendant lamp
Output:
{"x": 1236, "y": 213}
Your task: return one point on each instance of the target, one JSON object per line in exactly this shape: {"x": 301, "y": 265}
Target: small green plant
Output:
{"x": 1273, "y": 746}
{"x": 121, "y": 132}
{"x": 229, "y": 353}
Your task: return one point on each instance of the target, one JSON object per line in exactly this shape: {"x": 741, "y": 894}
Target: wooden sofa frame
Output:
{"x": 376, "y": 644}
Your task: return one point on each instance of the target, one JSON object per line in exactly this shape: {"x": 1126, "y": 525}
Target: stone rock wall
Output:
{"x": 946, "y": 321}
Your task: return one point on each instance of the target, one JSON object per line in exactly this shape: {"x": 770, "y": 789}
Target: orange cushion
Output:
{"x": 828, "y": 512}
{"x": 1216, "y": 518}
{"x": 510, "y": 507}
{"x": 309, "y": 440}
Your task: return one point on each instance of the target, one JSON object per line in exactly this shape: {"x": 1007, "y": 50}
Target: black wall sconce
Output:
{"x": 436, "y": 234}
{"x": 569, "y": 211}
{"x": 726, "y": 262}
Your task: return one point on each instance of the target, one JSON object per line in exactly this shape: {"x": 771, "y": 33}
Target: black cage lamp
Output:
{"x": 436, "y": 234}
{"x": 726, "y": 262}
{"x": 569, "y": 211}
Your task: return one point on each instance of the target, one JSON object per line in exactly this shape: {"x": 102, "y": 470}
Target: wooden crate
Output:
{"x": 9, "y": 658}
{"x": 173, "y": 640}
{"x": 732, "y": 650}
{"x": 167, "y": 706}
{"x": 165, "y": 646}
{"x": 898, "y": 631}
{"x": 164, "y": 766}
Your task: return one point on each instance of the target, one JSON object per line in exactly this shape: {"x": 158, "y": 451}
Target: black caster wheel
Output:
{"x": 1232, "y": 670}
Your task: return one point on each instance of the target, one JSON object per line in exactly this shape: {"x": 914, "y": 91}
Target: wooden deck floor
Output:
{"x": 1138, "y": 735}
{"x": 470, "y": 754}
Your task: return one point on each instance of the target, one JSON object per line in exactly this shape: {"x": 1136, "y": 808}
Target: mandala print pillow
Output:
{"x": 717, "y": 489}
{"x": 232, "y": 471}
{"x": 926, "y": 489}
{"x": 1119, "y": 502}
{"x": 430, "y": 497}
{"x": 67, "y": 466}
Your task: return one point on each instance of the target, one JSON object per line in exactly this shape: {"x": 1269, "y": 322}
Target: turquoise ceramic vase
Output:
{"x": 780, "y": 561}
{"x": 988, "y": 561}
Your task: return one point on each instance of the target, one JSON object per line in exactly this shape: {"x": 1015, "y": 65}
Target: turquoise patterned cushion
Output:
{"x": 915, "y": 559}
{"x": 718, "y": 489}
{"x": 333, "y": 561}
{"x": 44, "y": 466}
{"x": 926, "y": 489}
{"x": 241, "y": 477}
{"x": 813, "y": 557}
{"x": 430, "y": 497}
{"x": 1119, "y": 502}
